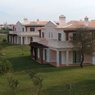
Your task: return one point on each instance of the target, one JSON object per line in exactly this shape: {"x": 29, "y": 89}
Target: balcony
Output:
{"x": 59, "y": 44}
{"x": 40, "y": 40}
{"x": 24, "y": 33}
{"x": 53, "y": 43}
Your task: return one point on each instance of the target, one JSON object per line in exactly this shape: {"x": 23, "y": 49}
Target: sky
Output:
{"x": 12, "y": 11}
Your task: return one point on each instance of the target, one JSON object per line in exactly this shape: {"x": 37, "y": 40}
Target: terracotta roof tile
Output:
{"x": 35, "y": 23}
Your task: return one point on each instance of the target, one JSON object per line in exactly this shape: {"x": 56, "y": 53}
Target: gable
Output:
{"x": 50, "y": 24}
{"x": 19, "y": 26}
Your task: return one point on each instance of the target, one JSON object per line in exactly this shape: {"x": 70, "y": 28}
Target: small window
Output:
{"x": 31, "y": 39}
{"x": 32, "y": 29}
{"x": 15, "y": 29}
{"x": 42, "y": 34}
{"x": 76, "y": 57}
{"x": 59, "y": 36}
{"x": 23, "y": 29}
{"x": 26, "y": 29}
{"x": 51, "y": 35}
{"x": 74, "y": 36}
{"x": 45, "y": 54}
{"x": 67, "y": 36}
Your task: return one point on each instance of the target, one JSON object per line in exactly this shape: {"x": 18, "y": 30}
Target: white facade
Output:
{"x": 23, "y": 32}
{"x": 59, "y": 52}
{"x": 60, "y": 49}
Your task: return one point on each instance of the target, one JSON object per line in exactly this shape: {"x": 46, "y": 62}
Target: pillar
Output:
{"x": 26, "y": 40}
{"x": 48, "y": 55}
{"x": 67, "y": 57}
{"x": 21, "y": 40}
{"x": 41, "y": 55}
{"x": 57, "y": 58}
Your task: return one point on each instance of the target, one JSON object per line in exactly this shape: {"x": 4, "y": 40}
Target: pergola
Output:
{"x": 34, "y": 51}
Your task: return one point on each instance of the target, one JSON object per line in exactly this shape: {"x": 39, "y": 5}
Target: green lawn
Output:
{"x": 56, "y": 80}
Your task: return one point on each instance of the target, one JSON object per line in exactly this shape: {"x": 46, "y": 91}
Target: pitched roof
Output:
{"x": 72, "y": 25}
{"x": 35, "y": 23}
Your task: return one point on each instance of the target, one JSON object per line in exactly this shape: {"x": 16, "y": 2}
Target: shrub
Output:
{"x": 4, "y": 40}
{"x": 13, "y": 83}
{"x": 5, "y": 66}
{"x": 37, "y": 82}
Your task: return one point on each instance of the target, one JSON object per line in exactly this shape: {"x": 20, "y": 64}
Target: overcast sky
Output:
{"x": 14, "y": 10}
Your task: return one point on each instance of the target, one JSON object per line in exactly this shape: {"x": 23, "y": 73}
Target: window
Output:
{"x": 76, "y": 57}
{"x": 15, "y": 29}
{"x": 74, "y": 36}
{"x": 67, "y": 36}
{"x": 59, "y": 36}
{"x": 49, "y": 34}
{"x": 42, "y": 34}
{"x": 32, "y": 29}
{"x": 93, "y": 34}
{"x": 31, "y": 39}
{"x": 26, "y": 29}
{"x": 45, "y": 54}
{"x": 23, "y": 29}
{"x": 60, "y": 57}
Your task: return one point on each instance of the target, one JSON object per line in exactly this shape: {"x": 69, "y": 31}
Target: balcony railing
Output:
{"x": 24, "y": 33}
{"x": 53, "y": 42}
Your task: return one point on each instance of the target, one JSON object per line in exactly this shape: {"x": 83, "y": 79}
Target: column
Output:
{"x": 21, "y": 40}
{"x": 41, "y": 55}
{"x": 48, "y": 55}
{"x": 9, "y": 38}
{"x": 57, "y": 58}
{"x": 38, "y": 53}
{"x": 12, "y": 39}
{"x": 67, "y": 57}
{"x": 26, "y": 41}
{"x": 17, "y": 41}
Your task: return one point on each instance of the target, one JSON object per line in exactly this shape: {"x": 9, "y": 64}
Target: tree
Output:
{"x": 84, "y": 41}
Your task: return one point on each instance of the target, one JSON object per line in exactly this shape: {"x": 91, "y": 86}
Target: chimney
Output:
{"x": 25, "y": 20}
{"x": 37, "y": 20}
{"x": 86, "y": 20}
{"x": 62, "y": 20}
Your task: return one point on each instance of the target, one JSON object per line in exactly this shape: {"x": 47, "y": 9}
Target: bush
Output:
{"x": 37, "y": 82}
{"x": 13, "y": 83}
{"x": 4, "y": 40}
{"x": 5, "y": 66}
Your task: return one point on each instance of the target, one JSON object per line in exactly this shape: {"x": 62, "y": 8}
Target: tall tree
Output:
{"x": 84, "y": 41}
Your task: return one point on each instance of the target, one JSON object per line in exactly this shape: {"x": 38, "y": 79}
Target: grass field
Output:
{"x": 56, "y": 81}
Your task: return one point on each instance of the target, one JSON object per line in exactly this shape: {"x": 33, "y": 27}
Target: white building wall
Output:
{"x": 52, "y": 32}
{"x": 19, "y": 27}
